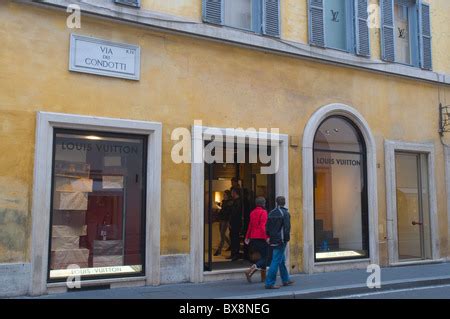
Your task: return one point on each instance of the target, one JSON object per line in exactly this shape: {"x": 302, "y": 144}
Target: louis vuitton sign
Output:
{"x": 95, "y": 56}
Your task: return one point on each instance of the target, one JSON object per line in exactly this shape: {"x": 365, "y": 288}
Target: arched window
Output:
{"x": 340, "y": 194}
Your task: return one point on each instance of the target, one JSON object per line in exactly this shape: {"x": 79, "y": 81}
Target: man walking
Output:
{"x": 278, "y": 228}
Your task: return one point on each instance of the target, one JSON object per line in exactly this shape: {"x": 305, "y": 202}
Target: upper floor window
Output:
{"x": 340, "y": 24}
{"x": 402, "y": 15}
{"x": 238, "y": 14}
{"x": 259, "y": 16}
{"x": 405, "y": 32}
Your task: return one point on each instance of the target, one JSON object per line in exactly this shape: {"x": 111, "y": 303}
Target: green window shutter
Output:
{"x": 213, "y": 11}
{"x": 361, "y": 28}
{"x": 387, "y": 30}
{"x": 425, "y": 37}
{"x": 316, "y": 23}
{"x": 271, "y": 17}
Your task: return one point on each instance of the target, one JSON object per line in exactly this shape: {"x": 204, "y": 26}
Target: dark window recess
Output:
{"x": 130, "y": 3}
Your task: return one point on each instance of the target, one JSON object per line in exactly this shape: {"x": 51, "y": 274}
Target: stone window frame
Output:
{"x": 197, "y": 274}
{"x": 46, "y": 122}
{"x": 309, "y": 264}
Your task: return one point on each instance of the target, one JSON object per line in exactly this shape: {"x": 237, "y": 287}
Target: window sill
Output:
{"x": 340, "y": 262}
{"x": 417, "y": 262}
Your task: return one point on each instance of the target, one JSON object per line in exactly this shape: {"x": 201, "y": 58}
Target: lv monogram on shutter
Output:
{"x": 213, "y": 11}
{"x": 316, "y": 23}
{"x": 387, "y": 30}
{"x": 362, "y": 29}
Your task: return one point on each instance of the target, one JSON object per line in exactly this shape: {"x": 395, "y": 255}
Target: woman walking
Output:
{"x": 256, "y": 236}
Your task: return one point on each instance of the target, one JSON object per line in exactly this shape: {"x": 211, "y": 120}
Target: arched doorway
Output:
{"x": 339, "y": 191}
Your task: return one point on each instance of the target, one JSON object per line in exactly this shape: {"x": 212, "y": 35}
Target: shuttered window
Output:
{"x": 340, "y": 24}
{"x": 406, "y": 33}
{"x": 259, "y": 16}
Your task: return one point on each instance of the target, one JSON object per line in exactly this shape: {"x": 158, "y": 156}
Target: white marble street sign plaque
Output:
{"x": 96, "y": 56}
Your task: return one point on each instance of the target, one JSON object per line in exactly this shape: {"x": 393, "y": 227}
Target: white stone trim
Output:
{"x": 169, "y": 23}
{"x": 174, "y": 268}
{"x": 197, "y": 193}
{"x": 14, "y": 279}
{"x": 46, "y": 122}
{"x": 308, "y": 184}
{"x": 447, "y": 188}
{"x": 390, "y": 147}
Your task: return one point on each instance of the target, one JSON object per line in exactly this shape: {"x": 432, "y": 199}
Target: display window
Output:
{"x": 98, "y": 208}
{"x": 340, "y": 192}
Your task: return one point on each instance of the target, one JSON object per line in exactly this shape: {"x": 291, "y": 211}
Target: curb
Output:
{"x": 340, "y": 291}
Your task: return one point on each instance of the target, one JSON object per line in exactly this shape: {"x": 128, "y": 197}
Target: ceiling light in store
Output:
{"x": 94, "y": 137}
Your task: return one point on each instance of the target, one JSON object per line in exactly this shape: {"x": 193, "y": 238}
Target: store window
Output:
{"x": 98, "y": 205}
{"x": 340, "y": 192}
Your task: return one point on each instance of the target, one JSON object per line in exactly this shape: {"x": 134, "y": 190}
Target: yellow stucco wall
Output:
{"x": 190, "y": 9}
{"x": 183, "y": 79}
{"x": 440, "y": 31}
{"x": 294, "y": 20}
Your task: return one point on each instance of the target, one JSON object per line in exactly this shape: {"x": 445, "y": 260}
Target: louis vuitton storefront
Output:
{"x": 101, "y": 175}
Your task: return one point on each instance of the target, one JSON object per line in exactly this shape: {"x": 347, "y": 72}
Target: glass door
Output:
{"x": 413, "y": 217}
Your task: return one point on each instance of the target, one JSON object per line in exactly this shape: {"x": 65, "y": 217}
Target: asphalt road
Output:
{"x": 434, "y": 292}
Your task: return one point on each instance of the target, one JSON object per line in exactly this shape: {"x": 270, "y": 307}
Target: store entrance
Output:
{"x": 220, "y": 180}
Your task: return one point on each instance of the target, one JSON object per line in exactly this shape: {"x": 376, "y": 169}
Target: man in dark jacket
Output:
{"x": 278, "y": 228}
{"x": 235, "y": 224}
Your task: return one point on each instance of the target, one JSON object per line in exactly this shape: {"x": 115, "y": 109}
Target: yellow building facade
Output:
{"x": 224, "y": 77}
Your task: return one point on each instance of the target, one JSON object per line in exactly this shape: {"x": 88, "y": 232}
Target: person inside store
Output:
{"x": 224, "y": 215}
{"x": 256, "y": 238}
{"x": 235, "y": 224}
{"x": 235, "y": 184}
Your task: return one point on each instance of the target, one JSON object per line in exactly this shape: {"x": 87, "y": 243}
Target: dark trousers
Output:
{"x": 262, "y": 248}
{"x": 234, "y": 237}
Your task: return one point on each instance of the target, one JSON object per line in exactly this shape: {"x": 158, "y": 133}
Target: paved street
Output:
{"x": 434, "y": 292}
{"x": 396, "y": 282}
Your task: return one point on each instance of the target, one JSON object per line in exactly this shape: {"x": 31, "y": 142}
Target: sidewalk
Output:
{"x": 320, "y": 285}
